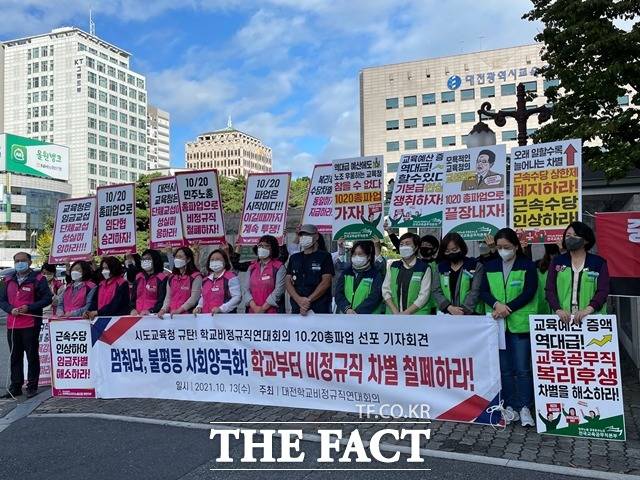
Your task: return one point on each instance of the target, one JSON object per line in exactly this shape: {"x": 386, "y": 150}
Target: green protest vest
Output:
{"x": 360, "y": 294}
{"x": 505, "y": 291}
{"x": 431, "y": 305}
{"x": 587, "y": 286}
{"x": 465, "y": 285}
{"x": 414, "y": 289}
{"x": 541, "y": 295}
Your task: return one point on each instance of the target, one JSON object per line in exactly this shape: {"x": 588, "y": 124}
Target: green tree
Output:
{"x": 142, "y": 210}
{"x": 298, "y": 192}
{"x": 232, "y": 193}
{"x": 44, "y": 241}
{"x": 596, "y": 62}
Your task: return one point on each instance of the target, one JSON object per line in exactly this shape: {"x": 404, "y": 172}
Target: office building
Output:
{"x": 158, "y": 142}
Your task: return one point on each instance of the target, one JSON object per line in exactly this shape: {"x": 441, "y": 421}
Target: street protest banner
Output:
{"x": 201, "y": 207}
{"x": 327, "y": 362}
{"x": 165, "y": 224}
{"x": 44, "y": 352}
{"x": 475, "y": 191}
{"x": 619, "y": 242}
{"x": 318, "y": 206}
{"x": 416, "y": 200}
{"x": 73, "y": 230}
{"x": 577, "y": 381}
{"x": 357, "y": 198}
{"x": 266, "y": 201}
{"x": 546, "y": 189}
{"x": 72, "y": 358}
{"x": 116, "y": 219}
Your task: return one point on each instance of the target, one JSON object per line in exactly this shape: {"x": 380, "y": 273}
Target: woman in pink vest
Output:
{"x": 149, "y": 286}
{"x": 112, "y": 295}
{"x": 75, "y": 298}
{"x": 264, "y": 284}
{"x": 183, "y": 286}
{"x": 48, "y": 270}
{"x": 221, "y": 289}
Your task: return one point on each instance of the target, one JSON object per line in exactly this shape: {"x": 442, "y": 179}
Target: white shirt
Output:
{"x": 425, "y": 287}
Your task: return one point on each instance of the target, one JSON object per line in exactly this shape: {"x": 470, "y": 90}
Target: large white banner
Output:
{"x": 318, "y": 206}
{"x": 327, "y": 362}
{"x": 165, "y": 224}
{"x": 116, "y": 219}
{"x": 73, "y": 230}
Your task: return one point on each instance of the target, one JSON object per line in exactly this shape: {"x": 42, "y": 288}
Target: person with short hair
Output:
{"x": 264, "y": 283}
{"x": 76, "y": 297}
{"x": 112, "y": 293}
{"x": 184, "y": 285}
{"x": 359, "y": 287}
{"x": 149, "y": 285}
{"x": 48, "y": 270}
{"x": 220, "y": 291}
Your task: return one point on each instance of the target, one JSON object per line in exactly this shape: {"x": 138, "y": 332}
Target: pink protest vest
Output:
{"x": 73, "y": 299}
{"x": 54, "y": 286}
{"x": 19, "y": 295}
{"x": 216, "y": 292}
{"x": 180, "y": 289}
{"x": 107, "y": 290}
{"x": 147, "y": 290}
{"x": 262, "y": 283}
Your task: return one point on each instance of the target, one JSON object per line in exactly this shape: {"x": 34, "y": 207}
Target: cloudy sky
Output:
{"x": 285, "y": 70}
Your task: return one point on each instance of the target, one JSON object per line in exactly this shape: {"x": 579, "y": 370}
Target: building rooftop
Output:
{"x": 228, "y": 129}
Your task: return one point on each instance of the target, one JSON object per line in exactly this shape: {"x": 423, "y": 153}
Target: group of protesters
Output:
{"x": 431, "y": 276}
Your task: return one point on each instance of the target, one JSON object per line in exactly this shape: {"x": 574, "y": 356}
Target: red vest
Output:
{"x": 263, "y": 283}
{"x": 73, "y": 299}
{"x": 19, "y": 295}
{"x": 216, "y": 292}
{"x": 180, "y": 289}
{"x": 107, "y": 290}
{"x": 147, "y": 290}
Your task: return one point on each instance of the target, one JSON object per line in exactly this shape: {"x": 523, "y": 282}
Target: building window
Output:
{"x": 466, "y": 117}
{"x": 92, "y": 184}
{"x": 392, "y": 103}
{"x": 102, "y": 141}
{"x": 428, "y": 98}
{"x": 487, "y": 92}
{"x": 103, "y": 171}
{"x": 92, "y": 153}
{"x": 429, "y": 121}
{"x": 411, "y": 101}
{"x": 92, "y": 138}
{"x": 508, "y": 89}
{"x": 623, "y": 101}
{"x": 113, "y": 173}
{"x": 411, "y": 144}
{"x": 509, "y": 135}
{"x": 91, "y": 122}
{"x": 531, "y": 86}
{"x": 428, "y": 143}
{"x": 393, "y": 146}
{"x": 449, "y": 141}
{"x": 550, "y": 83}
{"x": 448, "y": 97}
{"x": 410, "y": 122}
{"x": 393, "y": 125}
{"x": 102, "y": 156}
{"x": 392, "y": 167}
{"x": 92, "y": 169}
{"x": 448, "y": 119}
{"x": 468, "y": 94}
{"x": 91, "y": 108}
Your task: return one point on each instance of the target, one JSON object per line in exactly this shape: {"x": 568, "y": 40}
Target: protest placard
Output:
{"x": 318, "y": 206}
{"x": 165, "y": 223}
{"x": 72, "y": 373}
{"x": 116, "y": 219}
{"x": 73, "y": 230}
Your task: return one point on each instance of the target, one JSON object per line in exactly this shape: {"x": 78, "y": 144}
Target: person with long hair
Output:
{"x": 112, "y": 295}
{"x": 456, "y": 281}
{"x": 264, "y": 284}
{"x": 76, "y": 297}
{"x": 578, "y": 281}
{"x": 508, "y": 289}
{"x": 184, "y": 285}
{"x": 221, "y": 291}
{"x": 150, "y": 284}
{"x": 359, "y": 287}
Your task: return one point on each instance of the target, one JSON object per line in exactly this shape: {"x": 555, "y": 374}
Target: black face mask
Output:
{"x": 455, "y": 257}
{"x": 426, "y": 252}
{"x": 574, "y": 243}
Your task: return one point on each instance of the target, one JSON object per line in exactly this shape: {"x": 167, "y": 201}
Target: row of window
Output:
{"x": 42, "y": 111}
{"x": 93, "y": 51}
{"x": 125, "y": 119}
{"x": 37, "y": 127}
{"x": 115, "y": 159}
{"x": 113, "y": 144}
{"x": 111, "y": 71}
{"x": 42, "y": 96}
{"x": 113, "y": 129}
{"x": 448, "y": 141}
{"x": 37, "y": 52}
{"x": 430, "y": 120}
{"x": 116, "y": 87}
{"x": 41, "y": 81}
{"x": 37, "y": 67}
{"x": 114, "y": 173}
{"x": 115, "y": 102}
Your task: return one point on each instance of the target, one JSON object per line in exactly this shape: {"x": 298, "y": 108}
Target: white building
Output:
{"x": 71, "y": 88}
{"x": 158, "y": 143}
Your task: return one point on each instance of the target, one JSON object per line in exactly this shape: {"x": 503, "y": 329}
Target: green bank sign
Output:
{"x": 33, "y": 157}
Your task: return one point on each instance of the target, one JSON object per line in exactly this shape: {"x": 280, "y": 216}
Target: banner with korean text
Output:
{"x": 327, "y": 362}
{"x": 475, "y": 195}
{"x": 318, "y": 206}
{"x": 266, "y": 200}
{"x": 577, "y": 381}
{"x": 73, "y": 230}
{"x": 165, "y": 223}
{"x": 416, "y": 200}
{"x": 546, "y": 189}
{"x": 116, "y": 219}
{"x": 357, "y": 198}
{"x": 200, "y": 207}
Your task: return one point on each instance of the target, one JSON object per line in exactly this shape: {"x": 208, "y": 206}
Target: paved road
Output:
{"x": 73, "y": 448}
{"x": 4, "y": 356}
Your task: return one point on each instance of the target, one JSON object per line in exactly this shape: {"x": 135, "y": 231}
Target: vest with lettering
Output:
{"x": 587, "y": 283}
{"x": 215, "y": 291}
{"x": 147, "y": 290}
{"x": 180, "y": 289}
{"x": 107, "y": 290}
{"x": 19, "y": 295}
{"x": 419, "y": 270}
{"x": 355, "y": 298}
{"x": 466, "y": 278}
{"x": 76, "y": 298}
{"x": 263, "y": 283}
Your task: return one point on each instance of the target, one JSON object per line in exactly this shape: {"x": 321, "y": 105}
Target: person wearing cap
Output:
{"x": 310, "y": 273}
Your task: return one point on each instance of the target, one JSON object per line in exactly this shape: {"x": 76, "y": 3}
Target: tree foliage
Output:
{"x": 44, "y": 241}
{"x": 298, "y": 192}
{"x": 596, "y": 62}
{"x": 232, "y": 193}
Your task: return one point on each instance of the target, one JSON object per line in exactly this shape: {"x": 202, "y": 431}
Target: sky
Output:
{"x": 286, "y": 71}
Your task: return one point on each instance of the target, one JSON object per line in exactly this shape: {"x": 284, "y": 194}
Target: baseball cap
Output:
{"x": 309, "y": 229}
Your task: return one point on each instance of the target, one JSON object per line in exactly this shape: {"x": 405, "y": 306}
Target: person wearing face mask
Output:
{"x": 487, "y": 249}
{"x": 310, "y": 273}
{"x": 132, "y": 267}
{"x": 508, "y": 289}
{"x": 48, "y": 271}
{"x": 112, "y": 293}
{"x": 578, "y": 281}
{"x": 551, "y": 250}
{"x": 221, "y": 291}
{"x": 429, "y": 246}
{"x": 184, "y": 285}
{"x": 263, "y": 290}
{"x": 407, "y": 286}
{"x": 359, "y": 287}
{"x": 150, "y": 285}
{"x": 76, "y": 297}
{"x": 23, "y": 297}
{"x": 457, "y": 278}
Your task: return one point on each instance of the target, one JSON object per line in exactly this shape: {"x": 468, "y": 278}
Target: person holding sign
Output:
{"x": 112, "y": 295}
{"x": 76, "y": 297}
{"x": 150, "y": 285}
{"x": 359, "y": 287}
{"x": 184, "y": 285}
{"x": 457, "y": 278}
{"x": 264, "y": 284}
{"x": 407, "y": 286}
{"x": 221, "y": 288}
{"x": 509, "y": 288}
{"x": 309, "y": 274}
{"x": 578, "y": 281}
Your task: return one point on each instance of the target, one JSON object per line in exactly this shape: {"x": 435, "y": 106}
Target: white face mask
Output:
{"x": 306, "y": 241}
{"x": 359, "y": 261}
{"x": 76, "y": 276}
{"x": 216, "y": 265}
{"x": 406, "y": 251}
{"x": 179, "y": 263}
{"x": 506, "y": 254}
{"x": 147, "y": 265}
{"x": 263, "y": 252}
{"x": 106, "y": 274}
